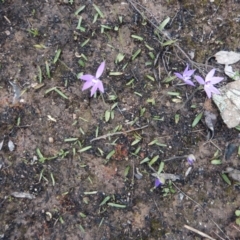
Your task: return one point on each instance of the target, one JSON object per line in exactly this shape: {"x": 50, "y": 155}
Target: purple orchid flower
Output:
{"x": 94, "y": 81}
{"x": 208, "y": 83}
{"x": 186, "y": 76}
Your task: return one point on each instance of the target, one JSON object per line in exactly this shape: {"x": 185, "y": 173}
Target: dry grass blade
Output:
{"x": 199, "y": 232}
{"x": 117, "y": 133}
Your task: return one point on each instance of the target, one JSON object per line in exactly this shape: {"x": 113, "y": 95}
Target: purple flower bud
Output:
{"x": 157, "y": 182}
{"x": 191, "y": 159}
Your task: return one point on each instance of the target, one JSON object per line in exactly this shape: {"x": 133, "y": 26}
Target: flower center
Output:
{"x": 94, "y": 80}
{"x": 208, "y": 83}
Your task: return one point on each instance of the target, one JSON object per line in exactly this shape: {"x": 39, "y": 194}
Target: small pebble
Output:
{"x": 50, "y": 139}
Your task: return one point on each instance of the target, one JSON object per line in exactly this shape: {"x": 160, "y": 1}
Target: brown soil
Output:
{"x": 67, "y": 184}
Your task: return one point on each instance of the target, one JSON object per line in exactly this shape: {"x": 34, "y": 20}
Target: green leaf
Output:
{"x": 216, "y": 162}
{"x": 238, "y": 128}
{"x": 161, "y": 166}
{"x": 82, "y": 215}
{"x": 110, "y": 154}
{"x": 137, "y": 37}
{"x": 85, "y": 149}
{"x": 136, "y": 141}
{"x": 98, "y": 11}
{"x": 136, "y": 54}
{"x": 197, "y": 119}
{"x": 154, "y": 159}
{"x": 115, "y": 73}
{"x": 85, "y": 42}
{"x": 57, "y": 55}
{"x": 238, "y": 221}
{"x": 119, "y": 58}
{"x": 226, "y": 179}
{"x": 168, "y": 43}
{"x": 48, "y": 69}
{"x": 60, "y": 93}
{"x": 177, "y": 117}
{"x": 107, "y": 115}
{"x": 173, "y": 93}
{"x": 39, "y": 153}
{"x": 126, "y": 171}
{"x": 116, "y": 205}
{"x": 70, "y": 139}
{"x": 105, "y": 200}
{"x": 145, "y": 160}
{"x": 79, "y": 10}
{"x": 164, "y": 23}
{"x": 169, "y": 79}
{"x": 39, "y": 74}
{"x": 237, "y": 213}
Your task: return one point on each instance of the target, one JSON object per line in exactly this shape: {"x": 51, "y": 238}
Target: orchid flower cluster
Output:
{"x": 95, "y": 84}
{"x": 208, "y": 83}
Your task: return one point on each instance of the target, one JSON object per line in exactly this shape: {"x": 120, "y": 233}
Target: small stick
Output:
{"x": 173, "y": 158}
{"x": 198, "y": 232}
{"x": 7, "y": 19}
{"x": 198, "y": 204}
{"x": 117, "y": 133}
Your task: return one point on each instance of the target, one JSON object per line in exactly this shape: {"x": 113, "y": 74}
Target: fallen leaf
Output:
{"x": 22, "y": 195}
{"x": 210, "y": 120}
{"x": 233, "y": 173}
{"x": 166, "y": 176}
{"x": 225, "y": 57}
{"x": 11, "y": 145}
{"x": 229, "y": 72}
{"x": 228, "y": 103}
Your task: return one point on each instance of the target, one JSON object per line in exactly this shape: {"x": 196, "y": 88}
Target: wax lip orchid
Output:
{"x": 94, "y": 81}
{"x": 210, "y": 80}
{"x": 186, "y": 75}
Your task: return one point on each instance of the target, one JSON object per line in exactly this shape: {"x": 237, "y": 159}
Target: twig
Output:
{"x": 198, "y": 204}
{"x": 173, "y": 158}
{"x": 199, "y": 232}
{"x": 117, "y": 133}
{"x": 236, "y": 228}
{"x": 7, "y": 19}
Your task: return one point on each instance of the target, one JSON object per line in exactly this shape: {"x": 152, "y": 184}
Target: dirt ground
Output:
{"x": 63, "y": 182}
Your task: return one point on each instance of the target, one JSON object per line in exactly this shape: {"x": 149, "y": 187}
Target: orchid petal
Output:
{"x": 87, "y": 85}
{"x": 100, "y": 86}
{"x": 186, "y": 70}
{"x": 100, "y": 70}
{"x": 210, "y": 75}
{"x": 216, "y": 80}
{"x": 200, "y": 80}
{"x": 94, "y": 89}
{"x": 189, "y": 82}
{"x": 87, "y": 77}
{"x": 179, "y": 75}
{"x": 157, "y": 182}
{"x": 190, "y": 72}
{"x": 208, "y": 91}
{"x": 214, "y": 90}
